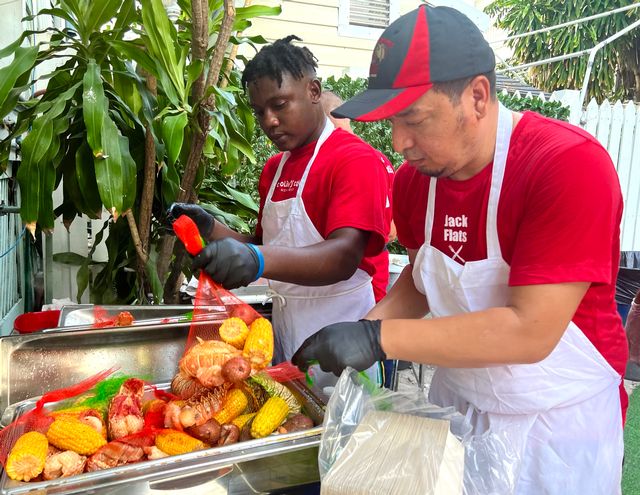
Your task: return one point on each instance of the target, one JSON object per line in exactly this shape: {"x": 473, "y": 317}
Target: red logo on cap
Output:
{"x": 379, "y": 52}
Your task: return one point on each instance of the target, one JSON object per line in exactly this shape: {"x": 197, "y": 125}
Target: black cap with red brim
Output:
{"x": 426, "y": 46}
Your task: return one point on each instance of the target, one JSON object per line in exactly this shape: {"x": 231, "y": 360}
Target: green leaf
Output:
{"x": 229, "y": 219}
{"x": 62, "y": 14}
{"x": 239, "y": 142}
{"x": 136, "y": 53}
{"x": 154, "y": 280}
{"x": 71, "y": 189}
{"x": 94, "y": 106}
{"x": 257, "y": 11}
{"x": 12, "y": 47}
{"x": 82, "y": 280}
{"x": 173, "y": 134}
{"x": 242, "y": 198}
{"x": 129, "y": 172}
{"x": 22, "y": 63}
{"x": 100, "y": 12}
{"x": 47, "y": 185}
{"x": 126, "y": 15}
{"x": 231, "y": 161}
{"x": 34, "y": 148}
{"x": 113, "y": 170}
{"x": 70, "y": 258}
{"x": 86, "y": 177}
{"x": 170, "y": 184}
{"x": 162, "y": 39}
{"x": 194, "y": 69}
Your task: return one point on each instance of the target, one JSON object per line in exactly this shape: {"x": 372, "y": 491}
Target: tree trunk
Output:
{"x": 200, "y": 37}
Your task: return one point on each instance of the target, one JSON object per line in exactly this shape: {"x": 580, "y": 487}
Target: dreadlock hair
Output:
{"x": 280, "y": 56}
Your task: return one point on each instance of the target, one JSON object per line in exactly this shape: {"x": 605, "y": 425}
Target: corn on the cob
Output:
{"x": 174, "y": 442}
{"x": 258, "y": 348}
{"x": 234, "y": 331}
{"x": 257, "y": 395}
{"x": 68, "y": 433}
{"x": 235, "y": 403}
{"x": 243, "y": 419}
{"x": 274, "y": 388}
{"x": 269, "y": 417}
{"x": 26, "y": 459}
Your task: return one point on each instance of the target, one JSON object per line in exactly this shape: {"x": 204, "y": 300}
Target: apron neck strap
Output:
{"x": 503, "y": 139}
{"x": 326, "y": 132}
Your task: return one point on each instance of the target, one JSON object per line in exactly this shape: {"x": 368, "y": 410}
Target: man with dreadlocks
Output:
{"x": 323, "y": 204}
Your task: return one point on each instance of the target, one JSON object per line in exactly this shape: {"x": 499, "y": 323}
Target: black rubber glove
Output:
{"x": 203, "y": 220}
{"x": 230, "y": 263}
{"x": 355, "y": 344}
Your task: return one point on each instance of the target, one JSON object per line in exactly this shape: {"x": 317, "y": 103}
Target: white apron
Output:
{"x": 562, "y": 415}
{"x": 300, "y": 311}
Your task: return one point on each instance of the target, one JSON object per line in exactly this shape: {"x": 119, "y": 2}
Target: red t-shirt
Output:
{"x": 558, "y": 220}
{"x": 381, "y": 261}
{"x": 346, "y": 187}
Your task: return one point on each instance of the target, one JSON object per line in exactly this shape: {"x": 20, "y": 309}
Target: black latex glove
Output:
{"x": 355, "y": 344}
{"x": 203, "y": 220}
{"x": 230, "y": 263}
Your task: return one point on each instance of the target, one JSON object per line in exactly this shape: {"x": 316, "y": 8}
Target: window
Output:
{"x": 366, "y": 18}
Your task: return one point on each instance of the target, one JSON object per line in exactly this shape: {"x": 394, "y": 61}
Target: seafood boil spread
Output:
{"x": 222, "y": 393}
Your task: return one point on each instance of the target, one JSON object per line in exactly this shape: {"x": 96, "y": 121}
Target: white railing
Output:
{"x": 11, "y": 252}
{"x": 617, "y": 126}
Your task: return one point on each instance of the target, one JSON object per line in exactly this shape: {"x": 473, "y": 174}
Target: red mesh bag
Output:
{"x": 213, "y": 304}
{"x": 39, "y": 419}
{"x": 284, "y": 372}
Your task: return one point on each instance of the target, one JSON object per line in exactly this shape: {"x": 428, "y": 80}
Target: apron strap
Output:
{"x": 503, "y": 138}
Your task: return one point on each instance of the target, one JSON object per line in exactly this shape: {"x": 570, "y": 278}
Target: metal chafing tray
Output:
{"x": 75, "y": 317}
{"x": 83, "y": 315}
{"x": 33, "y": 364}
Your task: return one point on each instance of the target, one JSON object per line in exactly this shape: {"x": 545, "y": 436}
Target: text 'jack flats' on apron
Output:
{"x": 561, "y": 417}
{"x": 300, "y": 311}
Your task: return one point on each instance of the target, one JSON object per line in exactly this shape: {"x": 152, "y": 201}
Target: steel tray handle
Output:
{"x": 194, "y": 483}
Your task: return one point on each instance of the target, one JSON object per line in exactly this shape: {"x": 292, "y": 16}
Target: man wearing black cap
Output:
{"x": 511, "y": 222}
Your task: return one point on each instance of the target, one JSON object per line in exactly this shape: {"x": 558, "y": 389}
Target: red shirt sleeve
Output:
{"x": 578, "y": 198}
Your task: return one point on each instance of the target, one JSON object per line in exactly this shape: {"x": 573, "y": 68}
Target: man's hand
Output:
{"x": 203, "y": 220}
{"x": 355, "y": 344}
{"x": 230, "y": 263}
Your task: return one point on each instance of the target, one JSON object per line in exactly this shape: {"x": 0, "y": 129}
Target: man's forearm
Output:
{"x": 316, "y": 265}
{"x": 484, "y": 338}
{"x": 525, "y": 330}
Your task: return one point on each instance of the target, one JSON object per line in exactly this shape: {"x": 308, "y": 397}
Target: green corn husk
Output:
{"x": 273, "y": 387}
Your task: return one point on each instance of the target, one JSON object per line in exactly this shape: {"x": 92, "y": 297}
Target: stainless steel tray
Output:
{"x": 75, "y": 315}
{"x": 35, "y": 363}
{"x": 83, "y": 315}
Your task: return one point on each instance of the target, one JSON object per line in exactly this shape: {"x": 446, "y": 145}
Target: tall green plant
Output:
{"x": 616, "y": 72}
{"x": 138, "y": 112}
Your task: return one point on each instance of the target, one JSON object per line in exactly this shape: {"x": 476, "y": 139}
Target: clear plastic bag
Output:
{"x": 491, "y": 461}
